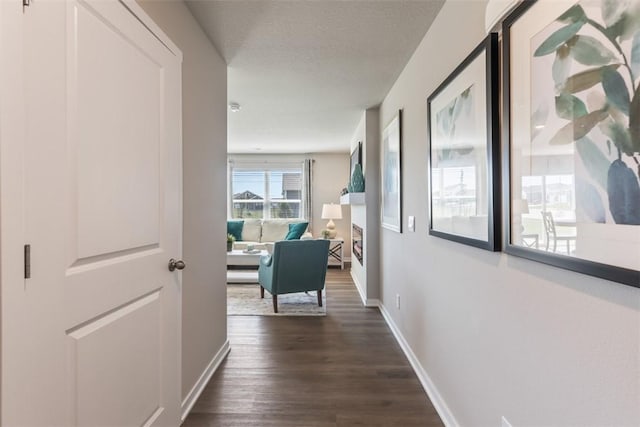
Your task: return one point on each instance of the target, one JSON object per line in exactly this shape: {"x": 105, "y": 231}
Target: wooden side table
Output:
{"x": 336, "y": 252}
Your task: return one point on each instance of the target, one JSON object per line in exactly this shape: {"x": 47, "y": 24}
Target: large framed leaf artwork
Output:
{"x": 464, "y": 147}
{"x": 391, "y": 210}
{"x": 572, "y": 135}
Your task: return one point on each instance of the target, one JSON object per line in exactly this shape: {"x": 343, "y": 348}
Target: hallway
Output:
{"x": 345, "y": 369}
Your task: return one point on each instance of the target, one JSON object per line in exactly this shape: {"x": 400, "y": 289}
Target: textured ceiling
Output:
{"x": 303, "y": 71}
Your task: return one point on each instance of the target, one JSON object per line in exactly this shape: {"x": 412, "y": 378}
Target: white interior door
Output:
{"x": 92, "y": 337}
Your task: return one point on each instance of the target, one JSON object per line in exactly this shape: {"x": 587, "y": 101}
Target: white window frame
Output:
{"x": 266, "y": 168}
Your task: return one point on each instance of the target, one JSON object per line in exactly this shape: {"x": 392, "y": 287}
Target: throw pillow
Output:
{"x": 235, "y": 229}
{"x": 296, "y": 230}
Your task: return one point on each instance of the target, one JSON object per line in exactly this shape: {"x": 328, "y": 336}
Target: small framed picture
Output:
{"x": 392, "y": 174}
{"x": 356, "y": 158}
{"x": 464, "y": 149}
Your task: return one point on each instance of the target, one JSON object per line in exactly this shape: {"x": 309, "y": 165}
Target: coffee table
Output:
{"x": 238, "y": 257}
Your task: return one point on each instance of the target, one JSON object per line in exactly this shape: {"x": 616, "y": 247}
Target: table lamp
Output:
{"x": 331, "y": 212}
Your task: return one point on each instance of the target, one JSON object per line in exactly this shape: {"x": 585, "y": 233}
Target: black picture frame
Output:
{"x": 356, "y": 158}
{"x": 391, "y": 175}
{"x": 613, "y": 273}
{"x": 492, "y": 166}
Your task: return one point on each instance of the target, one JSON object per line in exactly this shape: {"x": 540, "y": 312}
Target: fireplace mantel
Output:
{"x": 352, "y": 199}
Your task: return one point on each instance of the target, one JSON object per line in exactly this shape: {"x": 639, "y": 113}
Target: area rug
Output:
{"x": 244, "y": 300}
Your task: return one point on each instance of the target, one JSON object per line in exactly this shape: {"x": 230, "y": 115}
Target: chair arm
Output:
{"x": 266, "y": 260}
{"x": 265, "y": 273}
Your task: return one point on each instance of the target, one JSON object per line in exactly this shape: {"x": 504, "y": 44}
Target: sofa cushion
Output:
{"x": 296, "y": 230}
{"x": 252, "y": 230}
{"x": 274, "y": 230}
{"x": 234, "y": 227}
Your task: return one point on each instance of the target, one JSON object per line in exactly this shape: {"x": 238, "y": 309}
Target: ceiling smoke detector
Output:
{"x": 234, "y": 107}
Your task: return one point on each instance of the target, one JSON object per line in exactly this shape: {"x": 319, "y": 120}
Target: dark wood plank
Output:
{"x": 345, "y": 369}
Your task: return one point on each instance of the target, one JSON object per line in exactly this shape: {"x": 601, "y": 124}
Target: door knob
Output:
{"x": 176, "y": 265}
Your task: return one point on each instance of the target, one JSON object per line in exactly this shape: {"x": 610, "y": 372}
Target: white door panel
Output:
{"x": 95, "y": 339}
{"x": 105, "y": 385}
{"x": 126, "y": 139}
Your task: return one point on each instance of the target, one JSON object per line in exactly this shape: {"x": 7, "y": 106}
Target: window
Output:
{"x": 267, "y": 191}
{"x": 548, "y": 193}
{"x": 454, "y": 191}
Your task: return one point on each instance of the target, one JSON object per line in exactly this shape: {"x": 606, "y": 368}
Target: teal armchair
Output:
{"x": 294, "y": 266}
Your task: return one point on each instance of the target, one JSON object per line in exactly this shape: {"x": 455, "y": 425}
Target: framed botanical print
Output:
{"x": 572, "y": 136}
{"x": 464, "y": 149}
{"x": 356, "y": 158}
{"x": 392, "y": 174}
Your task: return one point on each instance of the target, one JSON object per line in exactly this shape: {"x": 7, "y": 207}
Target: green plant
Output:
{"x": 230, "y": 238}
{"x": 601, "y": 103}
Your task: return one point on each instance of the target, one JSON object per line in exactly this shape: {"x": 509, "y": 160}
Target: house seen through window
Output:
{"x": 267, "y": 192}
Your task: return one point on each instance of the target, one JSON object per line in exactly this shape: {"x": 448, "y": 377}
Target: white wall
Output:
{"x": 359, "y": 216}
{"x": 330, "y": 176}
{"x": 204, "y": 124}
{"x": 499, "y": 335}
{"x": 367, "y": 216}
{"x": 371, "y": 154}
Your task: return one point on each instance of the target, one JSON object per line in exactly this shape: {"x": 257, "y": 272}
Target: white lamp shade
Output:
{"x": 331, "y": 211}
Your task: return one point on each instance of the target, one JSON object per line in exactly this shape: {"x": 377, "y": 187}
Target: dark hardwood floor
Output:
{"x": 345, "y": 369}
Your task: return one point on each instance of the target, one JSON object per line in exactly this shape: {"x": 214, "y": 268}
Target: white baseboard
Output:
{"x": 367, "y": 302}
{"x": 198, "y": 387}
{"x": 363, "y": 297}
{"x": 358, "y": 286}
{"x": 372, "y": 302}
{"x": 436, "y": 399}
